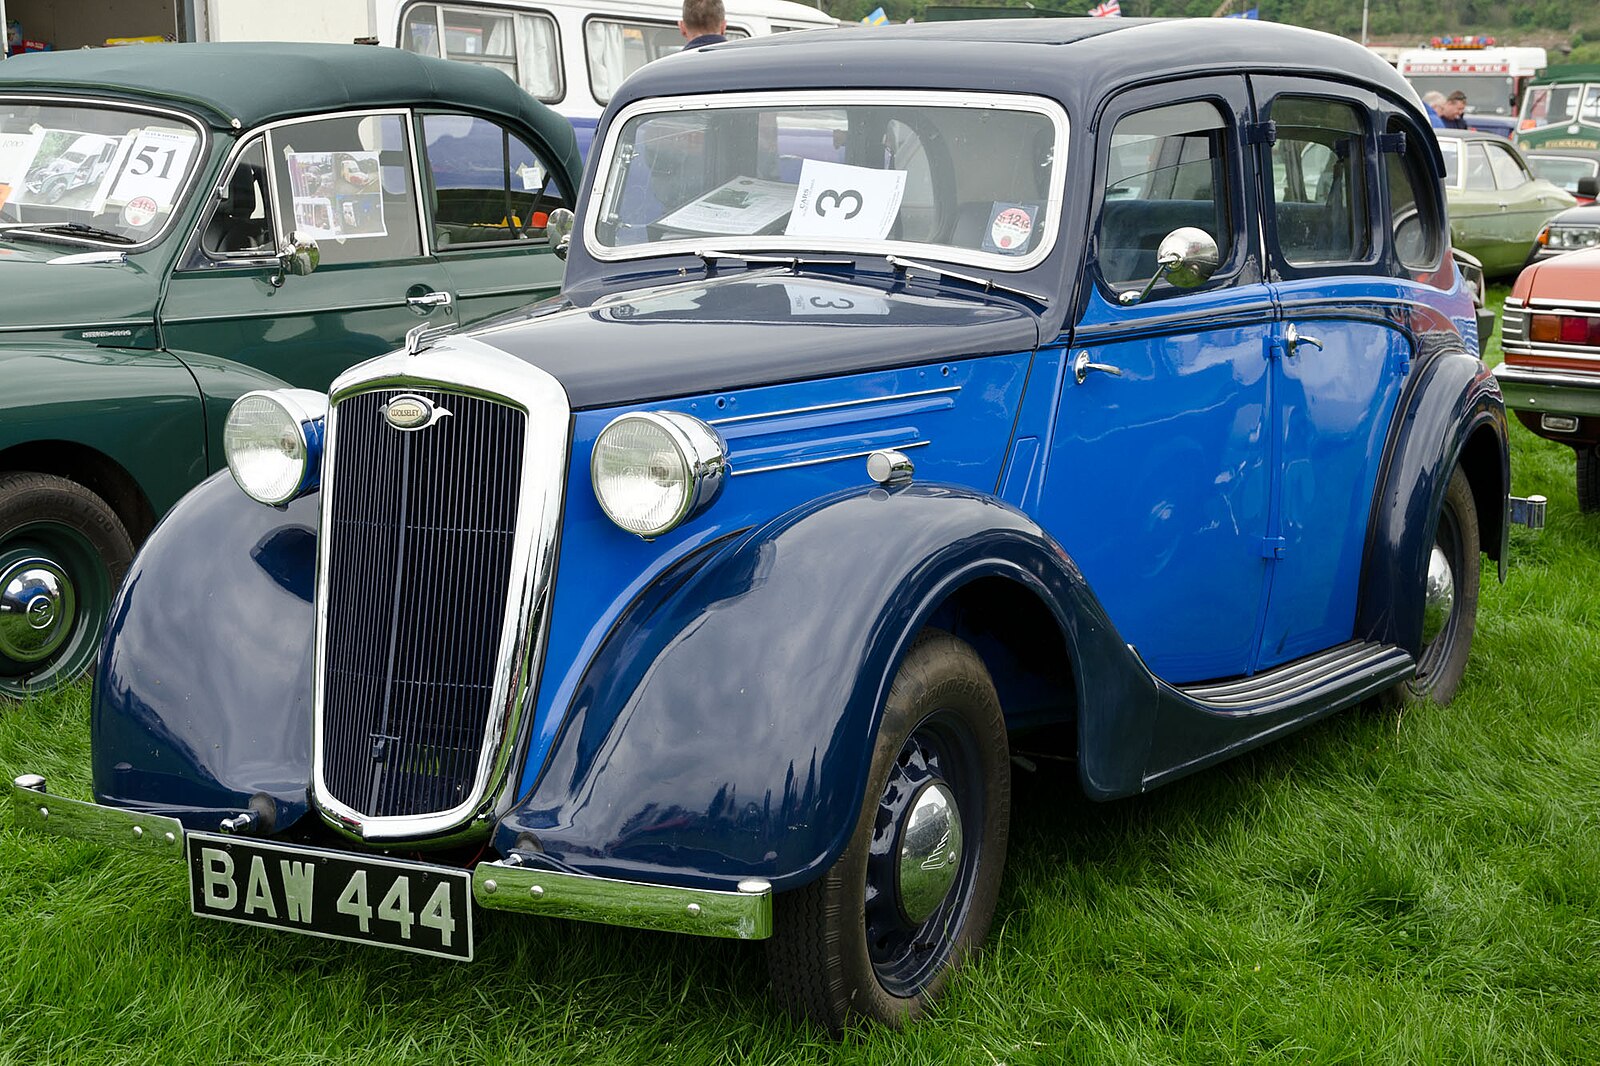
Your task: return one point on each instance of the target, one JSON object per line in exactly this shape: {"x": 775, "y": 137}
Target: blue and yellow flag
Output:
{"x": 877, "y": 18}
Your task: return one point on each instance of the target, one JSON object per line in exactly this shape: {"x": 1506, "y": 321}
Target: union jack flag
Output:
{"x": 1111, "y": 9}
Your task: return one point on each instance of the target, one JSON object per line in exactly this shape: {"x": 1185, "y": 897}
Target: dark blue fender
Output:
{"x": 724, "y": 729}
{"x": 1451, "y": 413}
{"x": 202, "y": 698}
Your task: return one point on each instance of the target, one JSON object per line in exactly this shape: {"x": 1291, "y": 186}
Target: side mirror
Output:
{"x": 1589, "y": 187}
{"x": 1186, "y": 257}
{"x": 559, "y": 230}
{"x": 298, "y": 256}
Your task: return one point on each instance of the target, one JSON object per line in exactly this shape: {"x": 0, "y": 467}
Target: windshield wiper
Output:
{"x": 65, "y": 229}
{"x": 986, "y": 284}
{"x": 793, "y": 262}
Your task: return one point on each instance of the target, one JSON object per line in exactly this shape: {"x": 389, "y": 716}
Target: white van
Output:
{"x": 570, "y": 55}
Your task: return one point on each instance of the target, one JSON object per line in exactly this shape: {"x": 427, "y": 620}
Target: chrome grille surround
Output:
{"x": 463, "y": 366}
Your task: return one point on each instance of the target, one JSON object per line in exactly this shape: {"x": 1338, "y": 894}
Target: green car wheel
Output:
{"x": 63, "y": 552}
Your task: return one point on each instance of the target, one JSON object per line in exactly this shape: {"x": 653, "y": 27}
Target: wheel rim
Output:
{"x": 927, "y": 836}
{"x": 1440, "y": 592}
{"x": 55, "y": 595}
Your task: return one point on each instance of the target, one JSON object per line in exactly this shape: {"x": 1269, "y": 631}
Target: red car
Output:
{"x": 1551, "y": 374}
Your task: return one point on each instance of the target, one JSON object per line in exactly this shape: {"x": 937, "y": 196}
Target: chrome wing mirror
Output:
{"x": 1187, "y": 257}
{"x": 559, "y": 230}
{"x": 299, "y": 256}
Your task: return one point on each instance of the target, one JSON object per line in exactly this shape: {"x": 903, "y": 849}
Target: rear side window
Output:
{"x": 522, "y": 45}
{"x": 1508, "y": 171}
{"x": 1320, "y": 200}
{"x": 1168, "y": 169}
{"x": 1413, "y": 216}
{"x": 1480, "y": 175}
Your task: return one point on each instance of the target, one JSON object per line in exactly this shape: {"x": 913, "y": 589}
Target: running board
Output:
{"x": 1328, "y": 675}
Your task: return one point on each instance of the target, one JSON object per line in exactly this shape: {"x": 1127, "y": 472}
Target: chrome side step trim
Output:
{"x": 1302, "y": 680}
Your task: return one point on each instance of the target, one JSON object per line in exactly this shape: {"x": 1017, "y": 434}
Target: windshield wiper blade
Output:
{"x": 793, "y": 262}
{"x": 66, "y": 229}
{"x": 986, "y": 284}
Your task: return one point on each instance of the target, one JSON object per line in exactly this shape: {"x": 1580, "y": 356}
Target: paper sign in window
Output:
{"x": 738, "y": 207}
{"x": 337, "y": 194}
{"x": 154, "y": 166}
{"x": 839, "y": 200}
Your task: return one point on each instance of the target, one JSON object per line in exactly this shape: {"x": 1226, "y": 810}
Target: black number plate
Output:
{"x": 411, "y": 906}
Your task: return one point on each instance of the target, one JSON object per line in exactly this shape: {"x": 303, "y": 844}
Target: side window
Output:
{"x": 1320, "y": 203}
{"x": 239, "y": 226}
{"x": 1168, "y": 169}
{"x": 616, "y": 49}
{"x": 1508, "y": 169}
{"x": 488, "y": 184}
{"x": 1412, "y": 213}
{"x": 521, "y": 44}
{"x": 347, "y": 182}
{"x": 1480, "y": 176}
{"x": 1451, "y": 150}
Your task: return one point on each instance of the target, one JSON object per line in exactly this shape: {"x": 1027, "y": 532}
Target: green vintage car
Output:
{"x": 180, "y": 224}
{"x": 1497, "y": 206}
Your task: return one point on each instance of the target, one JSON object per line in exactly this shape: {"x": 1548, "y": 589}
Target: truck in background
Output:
{"x": 1492, "y": 77}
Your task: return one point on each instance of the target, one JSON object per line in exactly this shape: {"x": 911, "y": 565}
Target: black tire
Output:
{"x": 63, "y": 552}
{"x": 1588, "y": 479}
{"x": 844, "y": 947}
{"x": 1443, "y": 657}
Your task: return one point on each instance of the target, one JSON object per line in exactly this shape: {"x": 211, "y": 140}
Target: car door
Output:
{"x": 1156, "y": 480}
{"x": 349, "y": 183}
{"x": 1477, "y": 225}
{"x": 1338, "y": 356}
{"x": 490, "y": 191}
{"x": 1526, "y": 203}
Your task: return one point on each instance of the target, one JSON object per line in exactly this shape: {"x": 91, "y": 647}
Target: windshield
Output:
{"x": 1487, "y": 94}
{"x": 117, "y": 171}
{"x": 976, "y": 179}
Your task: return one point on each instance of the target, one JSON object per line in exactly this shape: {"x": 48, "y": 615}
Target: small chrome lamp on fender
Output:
{"x": 273, "y": 441}
{"x": 654, "y": 470}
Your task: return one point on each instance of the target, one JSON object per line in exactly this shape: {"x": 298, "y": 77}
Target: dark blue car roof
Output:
{"x": 1059, "y": 57}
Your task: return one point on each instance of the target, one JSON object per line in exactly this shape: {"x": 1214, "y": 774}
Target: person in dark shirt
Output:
{"x": 1454, "y": 110}
{"x": 703, "y": 22}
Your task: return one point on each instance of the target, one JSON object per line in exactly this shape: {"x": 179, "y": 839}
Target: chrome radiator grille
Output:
{"x": 419, "y": 562}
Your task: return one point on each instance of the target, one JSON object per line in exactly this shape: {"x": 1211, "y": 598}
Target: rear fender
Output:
{"x": 725, "y": 728}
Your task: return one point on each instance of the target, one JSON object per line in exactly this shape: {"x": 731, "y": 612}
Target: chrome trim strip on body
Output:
{"x": 201, "y": 156}
{"x": 1556, "y": 307}
{"x": 825, "y": 459}
{"x": 833, "y": 406}
{"x": 143, "y": 323}
{"x": 1577, "y": 353}
{"x": 822, "y": 99}
{"x": 469, "y": 367}
{"x": 745, "y": 914}
{"x": 34, "y": 808}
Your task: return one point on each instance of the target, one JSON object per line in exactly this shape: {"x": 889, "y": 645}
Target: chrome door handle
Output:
{"x": 1292, "y": 339}
{"x": 1081, "y": 367}
{"x": 431, "y": 299}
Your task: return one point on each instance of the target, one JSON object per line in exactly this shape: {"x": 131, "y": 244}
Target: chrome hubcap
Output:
{"x": 1439, "y": 597}
{"x": 37, "y": 609}
{"x": 930, "y": 851}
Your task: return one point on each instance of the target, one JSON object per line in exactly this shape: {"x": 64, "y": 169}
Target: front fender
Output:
{"x": 1451, "y": 414}
{"x": 725, "y": 728}
{"x": 202, "y": 698}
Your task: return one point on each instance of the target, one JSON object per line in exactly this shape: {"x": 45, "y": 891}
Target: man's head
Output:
{"x": 1455, "y": 105}
{"x": 701, "y": 17}
{"x": 1434, "y": 99}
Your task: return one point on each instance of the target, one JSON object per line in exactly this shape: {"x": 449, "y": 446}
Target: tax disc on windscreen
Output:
{"x": 139, "y": 212}
{"x": 1010, "y": 228}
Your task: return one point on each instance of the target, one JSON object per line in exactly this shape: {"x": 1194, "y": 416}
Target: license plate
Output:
{"x": 411, "y": 906}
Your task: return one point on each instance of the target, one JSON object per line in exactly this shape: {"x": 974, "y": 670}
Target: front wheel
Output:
{"x": 878, "y": 936}
{"x": 63, "y": 552}
{"x": 1450, "y": 597}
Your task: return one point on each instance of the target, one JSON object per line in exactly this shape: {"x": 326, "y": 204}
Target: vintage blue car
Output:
{"x": 915, "y": 398}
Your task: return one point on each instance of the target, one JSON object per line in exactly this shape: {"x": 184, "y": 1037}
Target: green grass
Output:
{"x": 1417, "y": 887}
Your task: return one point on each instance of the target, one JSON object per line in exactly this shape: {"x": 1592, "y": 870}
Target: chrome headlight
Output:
{"x": 653, "y": 470}
{"x": 273, "y": 441}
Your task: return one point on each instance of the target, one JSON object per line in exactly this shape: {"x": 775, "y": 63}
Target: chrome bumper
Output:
{"x": 1553, "y": 391}
{"x": 743, "y": 914}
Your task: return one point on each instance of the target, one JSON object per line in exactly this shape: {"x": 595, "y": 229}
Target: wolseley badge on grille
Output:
{"x": 412, "y": 412}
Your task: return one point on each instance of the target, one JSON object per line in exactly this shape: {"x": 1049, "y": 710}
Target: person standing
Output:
{"x": 1454, "y": 111}
{"x": 1431, "y": 103}
{"x": 704, "y": 22}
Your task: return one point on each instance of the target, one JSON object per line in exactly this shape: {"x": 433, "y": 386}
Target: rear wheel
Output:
{"x": 1588, "y": 479}
{"x": 1450, "y": 597}
{"x": 63, "y": 552}
{"x": 878, "y": 936}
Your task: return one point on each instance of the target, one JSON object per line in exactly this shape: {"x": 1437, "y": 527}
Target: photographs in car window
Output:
{"x": 67, "y": 168}
{"x": 337, "y": 194}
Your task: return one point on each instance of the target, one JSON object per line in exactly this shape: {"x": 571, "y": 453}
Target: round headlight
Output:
{"x": 273, "y": 441}
{"x": 653, "y": 470}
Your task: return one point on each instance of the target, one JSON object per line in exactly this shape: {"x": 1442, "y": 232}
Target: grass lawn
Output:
{"x": 1417, "y": 887}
